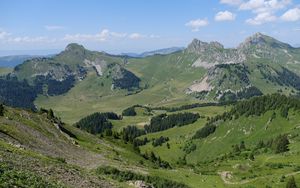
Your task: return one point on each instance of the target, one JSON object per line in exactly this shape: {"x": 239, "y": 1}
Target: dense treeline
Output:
{"x": 159, "y": 141}
{"x": 140, "y": 142}
{"x": 17, "y": 93}
{"x": 129, "y": 111}
{"x": 205, "y": 131}
{"x": 278, "y": 145}
{"x": 95, "y": 123}
{"x": 254, "y": 106}
{"x": 54, "y": 87}
{"x": 189, "y": 106}
{"x": 129, "y": 133}
{"x": 155, "y": 181}
{"x": 243, "y": 94}
{"x": 260, "y": 105}
{"x": 164, "y": 121}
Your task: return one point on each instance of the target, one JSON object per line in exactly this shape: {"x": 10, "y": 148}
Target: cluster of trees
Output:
{"x": 285, "y": 77}
{"x": 130, "y": 111}
{"x": 54, "y": 87}
{"x": 17, "y": 93}
{"x": 154, "y": 181}
{"x": 164, "y": 121}
{"x": 140, "y": 142}
{"x": 1, "y": 110}
{"x": 128, "y": 80}
{"x": 189, "y": 147}
{"x": 243, "y": 94}
{"x": 278, "y": 145}
{"x": 254, "y": 106}
{"x": 96, "y": 123}
{"x": 238, "y": 148}
{"x": 186, "y": 107}
{"x": 159, "y": 141}
{"x": 208, "y": 129}
{"x": 260, "y": 105}
{"x": 156, "y": 160}
{"x": 129, "y": 133}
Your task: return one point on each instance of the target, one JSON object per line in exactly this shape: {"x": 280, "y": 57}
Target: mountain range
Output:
{"x": 201, "y": 116}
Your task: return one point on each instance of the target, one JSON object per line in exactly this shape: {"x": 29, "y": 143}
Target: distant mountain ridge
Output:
{"x": 205, "y": 71}
{"x": 163, "y": 51}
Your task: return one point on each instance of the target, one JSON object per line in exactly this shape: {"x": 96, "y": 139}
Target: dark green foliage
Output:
{"x": 244, "y": 94}
{"x": 260, "y": 105}
{"x": 189, "y": 147}
{"x": 54, "y": 86}
{"x": 111, "y": 115}
{"x": 251, "y": 157}
{"x": 1, "y": 110}
{"x": 159, "y": 141}
{"x": 156, "y": 160}
{"x": 129, "y": 133}
{"x": 128, "y": 81}
{"x": 10, "y": 177}
{"x": 242, "y": 145}
{"x": 291, "y": 183}
{"x": 284, "y": 111}
{"x": 129, "y": 111}
{"x": 164, "y": 121}
{"x": 50, "y": 114}
{"x": 17, "y": 93}
{"x": 278, "y": 145}
{"x": 205, "y": 131}
{"x": 289, "y": 78}
{"x": 281, "y": 144}
{"x": 283, "y": 78}
{"x": 157, "y": 182}
{"x": 95, "y": 123}
{"x": 138, "y": 142}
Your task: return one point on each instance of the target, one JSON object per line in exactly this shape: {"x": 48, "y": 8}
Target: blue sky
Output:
{"x": 117, "y": 26}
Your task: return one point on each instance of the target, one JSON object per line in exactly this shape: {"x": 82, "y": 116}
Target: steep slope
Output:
{"x": 256, "y": 62}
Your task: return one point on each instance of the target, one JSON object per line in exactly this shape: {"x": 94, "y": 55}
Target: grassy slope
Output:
{"x": 245, "y": 172}
{"x": 167, "y": 77}
{"x": 108, "y": 151}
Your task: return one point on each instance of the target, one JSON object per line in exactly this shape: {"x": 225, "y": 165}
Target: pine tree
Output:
{"x": 50, "y": 114}
{"x": 1, "y": 110}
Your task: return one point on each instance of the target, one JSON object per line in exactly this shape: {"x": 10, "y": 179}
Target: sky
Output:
{"x": 118, "y": 26}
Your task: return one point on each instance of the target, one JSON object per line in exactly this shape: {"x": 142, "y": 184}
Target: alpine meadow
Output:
{"x": 168, "y": 94}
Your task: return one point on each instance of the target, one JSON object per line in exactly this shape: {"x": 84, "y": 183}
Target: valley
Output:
{"x": 202, "y": 116}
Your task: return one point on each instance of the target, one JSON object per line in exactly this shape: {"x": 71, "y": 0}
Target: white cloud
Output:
{"x": 265, "y": 10}
{"x": 231, "y": 2}
{"x": 196, "y": 24}
{"x": 225, "y": 16}
{"x": 136, "y": 36}
{"x": 3, "y": 34}
{"x": 103, "y": 35}
{"x": 291, "y": 15}
{"x": 261, "y": 18}
{"x": 53, "y": 27}
{"x": 27, "y": 39}
{"x": 260, "y": 6}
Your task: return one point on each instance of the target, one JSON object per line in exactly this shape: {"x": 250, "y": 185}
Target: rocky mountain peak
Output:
{"x": 197, "y": 46}
{"x": 74, "y": 47}
{"x": 261, "y": 40}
